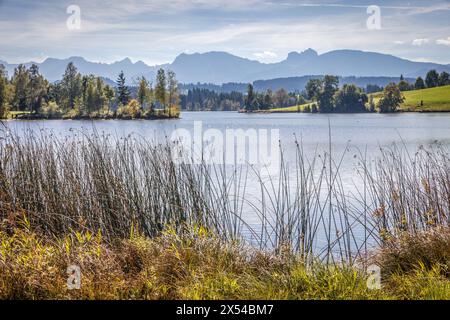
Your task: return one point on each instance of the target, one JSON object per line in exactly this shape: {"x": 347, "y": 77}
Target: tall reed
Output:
{"x": 119, "y": 184}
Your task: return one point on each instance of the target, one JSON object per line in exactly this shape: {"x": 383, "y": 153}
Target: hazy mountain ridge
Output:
{"x": 222, "y": 67}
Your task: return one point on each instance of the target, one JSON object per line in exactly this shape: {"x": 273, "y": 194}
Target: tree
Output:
{"x": 420, "y": 84}
{"x": 404, "y": 85}
{"x": 313, "y": 88}
{"x": 267, "y": 100}
{"x": 329, "y": 88}
{"x": 391, "y": 99}
{"x": 371, "y": 88}
{"x": 432, "y": 79}
{"x": 160, "y": 88}
{"x": 99, "y": 96}
{"x": 174, "y": 97}
{"x": 109, "y": 95}
{"x": 250, "y": 103}
{"x": 91, "y": 103}
{"x": 350, "y": 99}
{"x": 122, "y": 90}
{"x": 3, "y": 84}
{"x": 143, "y": 92}
{"x": 281, "y": 98}
{"x": 444, "y": 79}
{"x": 20, "y": 81}
{"x": 37, "y": 88}
{"x": 84, "y": 91}
{"x": 371, "y": 104}
{"x": 71, "y": 85}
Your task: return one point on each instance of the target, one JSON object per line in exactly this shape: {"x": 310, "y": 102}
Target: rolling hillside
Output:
{"x": 425, "y": 100}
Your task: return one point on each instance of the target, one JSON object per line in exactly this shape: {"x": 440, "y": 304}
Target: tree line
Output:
{"x": 324, "y": 95}
{"x": 433, "y": 79}
{"x": 86, "y": 96}
{"x": 197, "y": 99}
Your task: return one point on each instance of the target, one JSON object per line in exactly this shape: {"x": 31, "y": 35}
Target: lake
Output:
{"x": 351, "y": 135}
{"x": 366, "y": 132}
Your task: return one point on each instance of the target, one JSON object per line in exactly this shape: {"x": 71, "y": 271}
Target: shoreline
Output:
{"x": 399, "y": 111}
{"x": 43, "y": 117}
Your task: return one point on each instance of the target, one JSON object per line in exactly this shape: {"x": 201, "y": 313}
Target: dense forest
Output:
{"x": 203, "y": 99}
{"x": 29, "y": 95}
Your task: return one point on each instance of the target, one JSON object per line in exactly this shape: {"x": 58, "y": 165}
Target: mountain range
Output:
{"x": 222, "y": 67}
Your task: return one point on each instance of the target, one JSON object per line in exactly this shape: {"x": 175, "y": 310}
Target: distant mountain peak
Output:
{"x": 222, "y": 67}
{"x": 125, "y": 60}
{"x": 308, "y": 53}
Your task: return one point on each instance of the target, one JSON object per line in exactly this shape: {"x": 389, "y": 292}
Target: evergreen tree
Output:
{"x": 250, "y": 99}
{"x": 122, "y": 90}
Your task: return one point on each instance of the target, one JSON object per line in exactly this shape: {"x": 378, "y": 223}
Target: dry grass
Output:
{"x": 427, "y": 249}
{"x": 193, "y": 264}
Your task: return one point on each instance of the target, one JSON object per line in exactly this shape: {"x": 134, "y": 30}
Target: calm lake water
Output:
{"x": 366, "y": 132}
{"x": 350, "y": 133}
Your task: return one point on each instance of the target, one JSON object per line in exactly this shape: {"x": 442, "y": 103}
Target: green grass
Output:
{"x": 193, "y": 264}
{"x": 12, "y": 114}
{"x": 434, "y": 99}
{"x": 292, "y": 109}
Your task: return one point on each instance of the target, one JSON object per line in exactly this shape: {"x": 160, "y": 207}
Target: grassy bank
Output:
{"x": 194, "y": 264}
{"x": 299, "y": 108}
{"x": 101, "y": 115}
{"x": 425, "y": 100}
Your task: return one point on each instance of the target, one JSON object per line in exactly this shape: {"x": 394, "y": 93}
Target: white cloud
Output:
{"x": 265, "y": 54}
{"x": 420, "y": 42}
{"x": 399, "y": 42}
{"x": 444, "y": 42}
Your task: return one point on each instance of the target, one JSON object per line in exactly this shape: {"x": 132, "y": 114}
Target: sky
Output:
{"x": 156, "y": 31}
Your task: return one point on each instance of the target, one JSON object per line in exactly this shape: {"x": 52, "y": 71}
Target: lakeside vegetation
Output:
{"x": 423, "y": 100}
{"x": 28, "y": 95}
{"x": 324, "y": 95}
{"x": 140, "y": 225}
{"x": 195, "y": 264}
